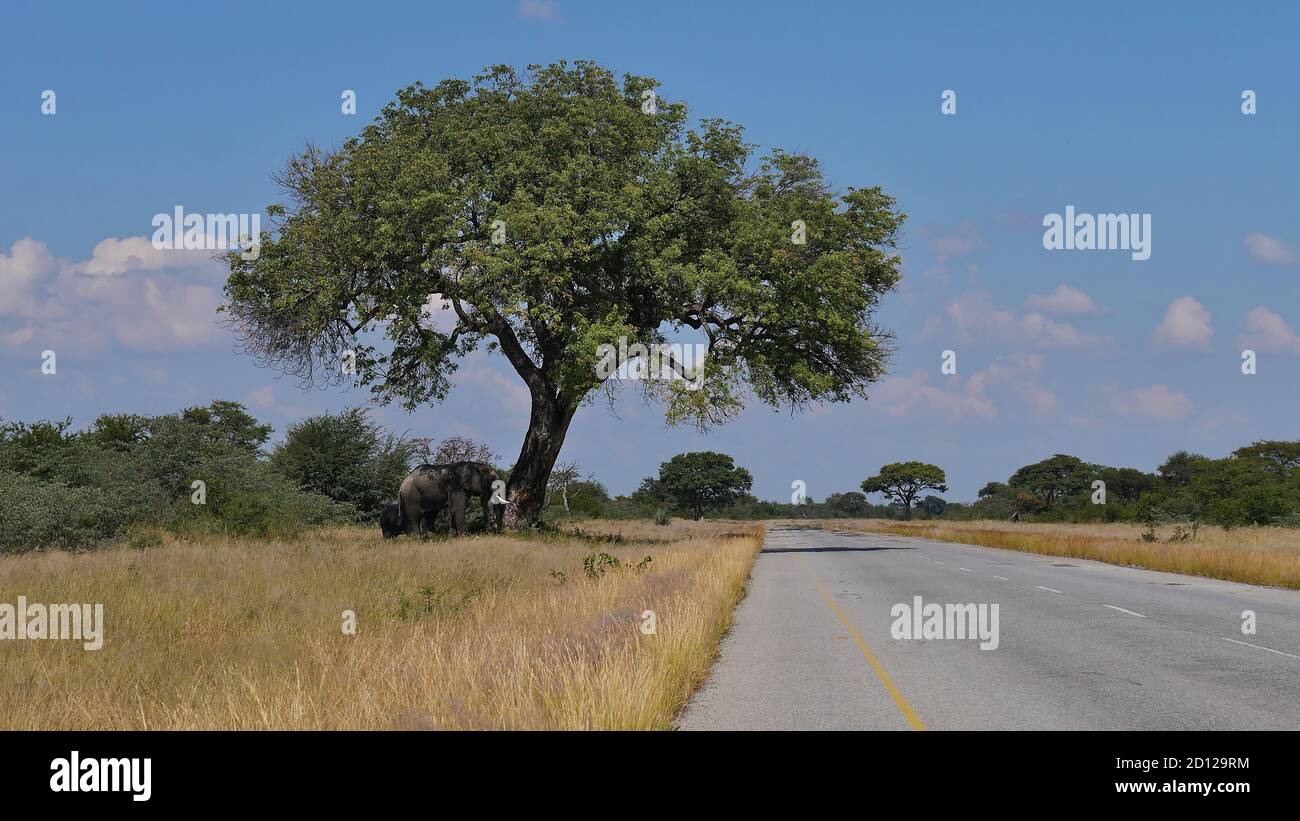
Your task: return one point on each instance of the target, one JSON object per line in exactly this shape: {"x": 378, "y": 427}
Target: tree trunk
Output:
{"x": 548, "y": 423}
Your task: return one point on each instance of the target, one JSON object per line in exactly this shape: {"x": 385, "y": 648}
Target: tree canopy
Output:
{"x": 1060, "y": 476}
{"x": 553, "y": 212}
{"x": 903, "y": 481}
{"x": 703, "y": 480}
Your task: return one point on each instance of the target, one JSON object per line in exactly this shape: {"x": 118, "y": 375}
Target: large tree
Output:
{"x": 703, "y": 480}
{"x": 555, "y": 212}
{"x": 1056, "y": 478}
{"x": 902, "y": 482}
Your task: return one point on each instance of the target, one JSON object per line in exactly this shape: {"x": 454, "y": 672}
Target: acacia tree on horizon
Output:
{"x": 556, "y": 212}
{"x": 902, "y": 482}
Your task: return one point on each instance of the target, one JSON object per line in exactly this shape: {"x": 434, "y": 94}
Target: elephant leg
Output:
{"x": 456, "y": 515}
{"x": 412, "y": 518}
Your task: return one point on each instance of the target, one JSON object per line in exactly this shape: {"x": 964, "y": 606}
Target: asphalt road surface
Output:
{"x": 1082, "y": 645}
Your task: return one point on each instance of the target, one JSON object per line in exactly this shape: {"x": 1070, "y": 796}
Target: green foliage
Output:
{"x": 228, "y": 424}
{"x": 932, "y": 506}
{"x": 119, "y": 431}
{"x": 703, "y": 480}
{"x": 849, "y": 505}
{"x": 556, "y": 215}
{"x": 903, "y": 481}
{"x": 1060, "y": 476}
{"x": 347, "y": 457}
{"x": 127, "y": 474}
{"x": 38, "y": 513}
{"x": 596, "y": 564}
{"x": 435, "y": 601}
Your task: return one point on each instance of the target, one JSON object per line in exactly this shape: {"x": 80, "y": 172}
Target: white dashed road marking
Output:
{"x": 1257, "y": 647}
{"x": 1048, "y": 589}
{"x": 1122, "y": 610}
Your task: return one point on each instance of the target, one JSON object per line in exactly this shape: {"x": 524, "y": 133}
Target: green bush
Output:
{"x": 38, "y": 514}
{"x": 128, "y": 474}
{"x": 346, "y": 457}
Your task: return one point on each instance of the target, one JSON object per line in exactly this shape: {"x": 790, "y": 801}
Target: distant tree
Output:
{"x": 1177, "y": 469}
{"x": 1279, "y": 458}
{"x": 933, "y": 506}
{"x": 703, "y": 480}
{"x": 23, "y": 445}
{"x": 902, "y": 482}
{"x": 651, "y": 494}
{"x": 1126, "y": 484}
{"x": 849, "y": 505}
{"x": 994, "y": 489}
{"x": 347, "y": 457}
{"x": 1240, "y": 491}
{"x": 587, "y": 497}
{"x": 229, "y": 423}
{"x": 1051, "y": 479}
{"x": 463, "y": 449}
{"x": 1025, "y": 502}
{"x": 566, "y": 482}
{"x": 119, "y": 431}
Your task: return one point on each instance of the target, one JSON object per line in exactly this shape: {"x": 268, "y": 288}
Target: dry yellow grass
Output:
{"x": 1254, "y": 555}
{"x": 237, "y": 633}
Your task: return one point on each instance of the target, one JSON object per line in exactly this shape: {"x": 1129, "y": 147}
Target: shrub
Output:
{"x": 38, "y": 514}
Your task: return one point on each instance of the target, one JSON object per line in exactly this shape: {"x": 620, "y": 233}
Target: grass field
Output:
{"x": 1254, "y": 555}
{"x": 480, "y": 632}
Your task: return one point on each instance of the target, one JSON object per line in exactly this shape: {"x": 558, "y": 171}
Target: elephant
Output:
{"x": 427, "y": 490}
{"x": 482, "y": 480}
{"x": 390, "y": 521}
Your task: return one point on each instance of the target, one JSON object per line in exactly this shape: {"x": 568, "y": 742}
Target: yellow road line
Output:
{"x": 877, "y": 668}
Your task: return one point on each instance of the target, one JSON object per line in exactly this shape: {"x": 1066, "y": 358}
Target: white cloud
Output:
{"x": 1269, "y": 332}
{"x": 108, "y": 298}
{"x": 440, "y": 313}
{"x": 1064, "y": 300}
{"x": 1271, "y": 251}
{"x": 22, "y": 274}
{"x": 1156, "y": 403}
{"x": 905, "y": 396}
{"x": 974, "y": 318}
{"x": 537, "y": 10}
{"x": 1186, "y": 326}
{"x": 961, "y": 240}
{"x": 119, "y": 256}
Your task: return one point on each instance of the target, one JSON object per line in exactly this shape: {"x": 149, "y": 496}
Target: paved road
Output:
{"x": 1082, "y": 645}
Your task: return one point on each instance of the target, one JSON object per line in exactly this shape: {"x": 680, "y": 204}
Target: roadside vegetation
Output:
{"x": 535, "y": 631}
{"x": 1252, "y": 554}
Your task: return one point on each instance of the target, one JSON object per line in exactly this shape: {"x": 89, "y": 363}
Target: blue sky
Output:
{"x": 1110, "y": 108}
